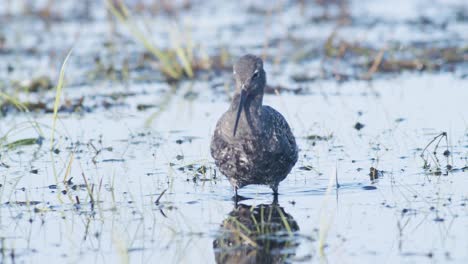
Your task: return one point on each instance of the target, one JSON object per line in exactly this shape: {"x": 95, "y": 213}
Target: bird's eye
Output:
{"x": 255, "y": 75}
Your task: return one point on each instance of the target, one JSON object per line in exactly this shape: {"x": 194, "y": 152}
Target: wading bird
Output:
{"x": 252, "y": 142}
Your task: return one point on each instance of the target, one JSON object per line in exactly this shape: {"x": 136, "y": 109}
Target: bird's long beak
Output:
{"x": 239, "y": 110}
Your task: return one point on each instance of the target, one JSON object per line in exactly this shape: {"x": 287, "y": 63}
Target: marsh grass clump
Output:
{"x": 315, "y": 139}
{"x": 375, "y": 174}
{"x": 6, "y": 101}
{"x": 9, "y": 139}
{"x": 198, "y": 172}
{"x": 176, "y": 62}
{"x": 171, "y": 68}
{"x": 431, "y": 160}
{"x": 370, "y": 59}
{"x": 40, "y": 83}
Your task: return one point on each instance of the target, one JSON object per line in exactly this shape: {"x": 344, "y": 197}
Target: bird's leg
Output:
{"x": 275, "y": 189}
{"x": 236, "y": 197}
{"x": 275, "y": 199}
{"x": 275, "y": 193}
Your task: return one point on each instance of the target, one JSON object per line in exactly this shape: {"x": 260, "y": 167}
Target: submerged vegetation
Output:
{"x": 256, "y": 234}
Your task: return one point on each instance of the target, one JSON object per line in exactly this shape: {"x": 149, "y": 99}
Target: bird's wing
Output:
{"x": 281, "y": 127}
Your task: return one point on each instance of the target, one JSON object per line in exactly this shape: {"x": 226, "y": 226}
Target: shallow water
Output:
{"x": 157, "y": 197}
{"x": 410, "y": 214}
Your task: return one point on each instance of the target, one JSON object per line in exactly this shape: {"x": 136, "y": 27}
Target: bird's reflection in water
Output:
{"x": 256, "y": 234}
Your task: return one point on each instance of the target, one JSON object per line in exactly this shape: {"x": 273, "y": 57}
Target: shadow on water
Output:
{"x": 256, "y": 234}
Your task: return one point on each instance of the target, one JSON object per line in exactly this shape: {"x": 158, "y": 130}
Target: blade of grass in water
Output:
{"x": 15, "y": 102}
{"x": 325, "y": 223}
{"x": 22, "y": 142}
{"x": 58, "y": 93}
{"x": 183, "y": 54}
{"x": 285, "y": 221}
{"x": 22, "y": 107}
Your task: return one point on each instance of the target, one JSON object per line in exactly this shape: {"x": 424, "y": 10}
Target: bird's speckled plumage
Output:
{"x": 262, "y": 150}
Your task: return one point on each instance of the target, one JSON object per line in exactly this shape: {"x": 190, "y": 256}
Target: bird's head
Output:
{"x": 250, "y": 81}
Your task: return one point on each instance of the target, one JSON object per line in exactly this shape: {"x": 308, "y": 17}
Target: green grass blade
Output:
{"x": 22, "y": 142}
{"x": 285, "y": 221}
{"x": 58, "y": 94}
{"x": 15, "y": 102}
{"x": 122, "y": 15}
